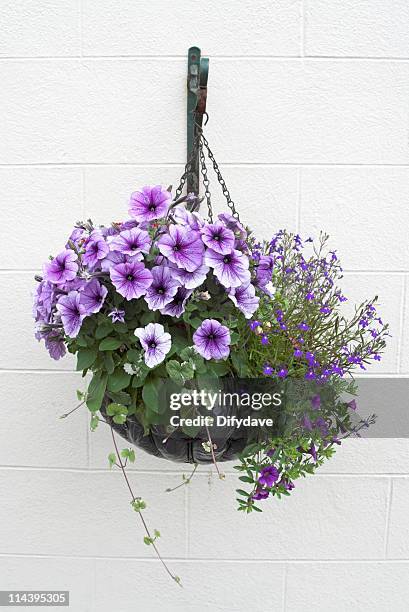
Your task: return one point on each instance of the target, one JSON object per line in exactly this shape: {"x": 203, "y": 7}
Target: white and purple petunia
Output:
{"x": 218, "y": 238}
{"x": 176, "y": 307}
{"x": 150, "y": 203}
{"x": 62, "y": 268}
{"x": 72, "y": 313}
{"x": 95, "y": 249}
{"x": 162, "y": 289}
{"x": 232, "y": 269}
{"x": 131, "y": 241}
{"x": 212, "y": 340}
{"x": 191, "y": 280}
{"x": 93, "y": 296}
{"x": 131, "y": 280}
{"x": 155, "y": 342}
{"x": 183, "y": 247}
{"x": 244, "y": 297}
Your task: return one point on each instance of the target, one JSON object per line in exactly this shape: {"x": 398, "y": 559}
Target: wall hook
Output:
{"x": 197, "y": 73}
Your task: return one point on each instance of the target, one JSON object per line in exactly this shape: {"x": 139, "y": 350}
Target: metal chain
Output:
{"x": 188, "y": 166}
{"x": 206, "y": 182}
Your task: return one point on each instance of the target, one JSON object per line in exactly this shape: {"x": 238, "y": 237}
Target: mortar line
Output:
{"x": 227, "y": 164}
{"x": 214, "y": 58}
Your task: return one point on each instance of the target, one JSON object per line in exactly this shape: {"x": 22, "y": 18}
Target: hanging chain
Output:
{"x": 206, "y": 182}
{"x": 188, "y": 166}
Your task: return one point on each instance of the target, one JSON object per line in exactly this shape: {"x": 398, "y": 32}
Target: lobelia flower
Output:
{"x": 72, "y": 313}
{"x": 131, "y": 280}
{"x": 212, "y": 340}
{"x": 183, "y": 247}
{"x": 163, "y": 288}
{"x": 231, "y": 269}
{"x": 93, "y": 296}
{"x": 117, "y": 315}
{"x": 131, "y": 241}
{"x": 191, "y": 280}
{"x": 150, "y": 203}
{"x": 245, "y": 299}
{"x": 268, "y": 476}
{"x": 218, "y": 238}
{"x": 156, "y": 343}
{"x": 176, "y": 306}
{"x": 95, "y": 249}
{"x": 62, "y": 268}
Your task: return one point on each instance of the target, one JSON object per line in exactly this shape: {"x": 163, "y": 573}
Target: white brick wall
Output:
{"x": 309, "y": 111}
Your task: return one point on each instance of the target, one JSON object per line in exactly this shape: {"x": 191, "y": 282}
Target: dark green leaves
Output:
{"x": 118, "y": 380}
{"x": 96, "y": 391}
{"x": 85, "y": 358}
{"x": 110, "y": 344}
{"x": 118, "y": 412}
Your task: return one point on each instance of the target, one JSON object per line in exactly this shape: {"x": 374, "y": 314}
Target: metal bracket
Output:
{"x": 197, "y": 73}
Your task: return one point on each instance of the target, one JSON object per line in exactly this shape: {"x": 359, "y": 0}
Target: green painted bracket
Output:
{"x": 197, "y": 73}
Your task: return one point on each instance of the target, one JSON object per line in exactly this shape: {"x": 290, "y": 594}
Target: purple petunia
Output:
{"x": 150, "y": 203}
{"x": 95, "y": 249}
{"x": 182, "y": 247}
{"x": 54, "y": 343}
{"x": 155, "y": 342}
{"x": 93, "y": 296}
{"x": 260, "y": 493}
{"x": 72, "y": 313}
{"x": 245, "y": 299}
{"x": 212, "y": 340}
{"x": 232, "y": 270}
{"x": 131, "y": 280}
{"x": 191, "y": 280}
{"x": 265, "y": 269}
{"x": 268, "y": 476}
{"x": 176, "y": 307}
{"x": 218, "y": 238}
{"x": 117, "y": 315}
{"x": 233, "y": 224}
{"x": 131, "y": 241}
{"x": 62, "y": 268}
{"x": 162, "y": 289}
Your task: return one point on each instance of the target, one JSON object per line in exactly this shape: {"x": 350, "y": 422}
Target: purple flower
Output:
{"x": 163, "y": 288}
{"x": 212, "y": 340}
{"x": 93, "y": 296}
{"x": 131, "y": 279}
{"x": 184, "y": 217}
{"x": 155, "y": 342}
{"x": 245, "y": 299}
{"x": 183, "y": 247}
{"x": 260, "y": 493}
{"x": 233, "y": 224}
{"x": 150, "y": 203}
{"x": 95, "y": 249}
{"x": 287, "y": 484}
{"x": 232, "y": 270}
{"x": 313, "y": 452}
{"x": 298, "y": 353}
{"x": 131, "y": 241}
{"x": 352, "y": 404}
{"x": 72, "y": 313}
{"x": 54, "y": 343}
{"x": 117, "y": 315}
{"x": 176, "y": 307}
{"x": 265, "y": 269}
{"x": 316, "y": 402}
{"x": 282, "y": 372}
{"x": 191, "y": 280}
{"x": 115, "y": 257}
{"x": 303, "y": 326}
{"x": 43, "y": 301}
{"x": 267, "y": 370}
{"x": 218, "y": 238}
{"x": 268, "y": 476}
{"x": 62, "y": 268}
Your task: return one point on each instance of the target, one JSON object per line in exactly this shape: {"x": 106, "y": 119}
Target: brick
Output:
{"x": 398, "y": 532}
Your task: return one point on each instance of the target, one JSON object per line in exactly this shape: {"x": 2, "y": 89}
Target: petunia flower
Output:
{"x": 155, "y": 342}
{"x": 117, "y": 315}
{"x": 54, "y": 343}
{"x": 232, "y": 270}
{"x": 95, "y": 249}
{"x": 131, "y": 241}
{"x": 264, "y": 270}
{"x": 185, "y": 217}
{"x": 150, "y": 203}
{"x": 212, "y": 340}
{"x": 268, "y": 476}
{"x": 162, "y": 289}
{"x": 176, "y": 307}
{"x": 62, "y": 268}
{"x": 131, "y": 280}
{"x": 244, "y": 297}
{"x": 191, "y": 280}
{"x": 218, "y": 238}
{"x": 72, "y": 313}
{"x": 93, "y": 296}
{"x": 183, "y": 247}
{"x": 233, "y": 224}
{"x": 115, "y": 257}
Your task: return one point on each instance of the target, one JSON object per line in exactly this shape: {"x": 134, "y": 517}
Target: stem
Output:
{"x": 186, "y": 480}
{"x": 221, "y": 476}
{"x": 64, "y": 416}
{"x": 134, "y": 499}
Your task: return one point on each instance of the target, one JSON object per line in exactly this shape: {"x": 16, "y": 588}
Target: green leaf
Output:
{"x": 118, "y": 380}
{"x": 174, "y": 369}
{"x": 96, "y": 391}
{"x": 187, "y": 370}
{"x": 219, "y": 368}
{"x": 111, "y": 459}
{"x": 110, "y": 344}
{"x": 150, "y": 395}
{"x": 109, "y": 362}
{"x": 133, "y": 356}
{"x": 85, "y": 358}
{"x": 103, "y": 330}
{"x": 94, "y": 422}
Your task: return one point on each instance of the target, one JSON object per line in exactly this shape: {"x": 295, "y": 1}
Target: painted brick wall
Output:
{"x": 309, "y": 118}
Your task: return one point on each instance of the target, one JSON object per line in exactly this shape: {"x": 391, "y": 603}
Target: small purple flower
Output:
{"x": 191, "y": 280}
{"x": 176, "y": 307}
{"x": 131, "y": 280}
{"x": 313, "y": 452}
{"x": 131, "y": 241}
{"x": 72, "y": 313}
{"x": 155, "y": 342}
{"x": 233, "y": 224}
{"x": 316, "y": 402}
{"x": 268, "y": 476}
{"x": 268, "y": 370}
{"x": 218, "y": 238}
{"x": 287, "y": 484}
{"x": 260, "y": 493}
{"x": 298, "y": 353}
{"x": 43, "y": 301}
{"x": 62, "y": 268}
{"x": 244, "y": 297}
{"x": 265, "y": 269}
{"x": 212, "y": 340}
{"x": 93, "y": 296}
{"x": 264, "y": 340}
{"x": 162, "y": 289}
{"x": 150, "y": 203}
{"x": 282, "y": 372}
{"x": 352, "y": 405}
{"x": 182, "y": 247}
{"x": 303, "y": 326}
{"x": 95, "y": 249}
{"x": 117, "y": 315}
{"x": 232, "y": 270}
